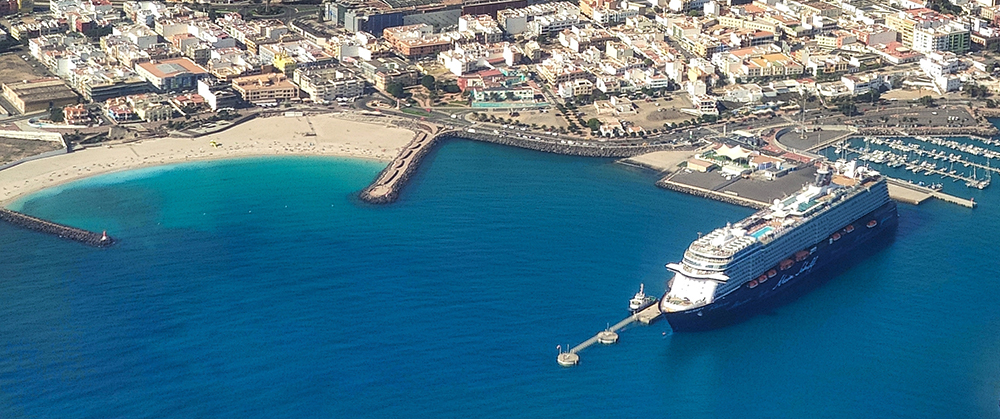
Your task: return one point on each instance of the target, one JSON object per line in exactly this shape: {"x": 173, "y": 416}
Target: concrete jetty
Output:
{"x": 72, "y": 233}
{"x": 609, "y": 336}
{"x": 385, "y": 189}
{"x": 904, "y": 191}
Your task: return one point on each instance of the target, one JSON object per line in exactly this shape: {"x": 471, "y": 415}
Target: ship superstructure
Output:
{"x": 735, "y": 265}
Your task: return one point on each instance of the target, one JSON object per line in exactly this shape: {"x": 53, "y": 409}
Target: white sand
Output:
{"x": 258, "y": 137}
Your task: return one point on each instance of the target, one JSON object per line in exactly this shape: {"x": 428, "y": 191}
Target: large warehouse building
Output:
{"x": 39, "y": 94}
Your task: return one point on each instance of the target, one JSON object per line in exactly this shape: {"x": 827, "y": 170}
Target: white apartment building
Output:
{"x": 952, "y": 36}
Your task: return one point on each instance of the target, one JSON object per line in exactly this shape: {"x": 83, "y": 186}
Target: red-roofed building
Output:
{"x": 76, "y": 114}
{"x": 189, "y": 99}
{"x": 895, "y": 53}
{"x": 481, "y": 79}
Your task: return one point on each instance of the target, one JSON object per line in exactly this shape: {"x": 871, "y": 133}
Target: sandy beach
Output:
{"x": 274, "y": 136}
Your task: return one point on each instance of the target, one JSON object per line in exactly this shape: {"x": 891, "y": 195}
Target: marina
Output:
{"x": 899, "y": 154}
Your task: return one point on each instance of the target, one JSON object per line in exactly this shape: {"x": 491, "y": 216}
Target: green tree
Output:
{"x": 926, "y": 101}
{"x": 510, "y": 95}
{"x": 848, "y": 108}
{"x": 975, "y": 90}
{"x": 396, "y": 90}
{"x": 593, "y": 124}
{"x": 428, "y": 82}
{"x": 56, "y": 115}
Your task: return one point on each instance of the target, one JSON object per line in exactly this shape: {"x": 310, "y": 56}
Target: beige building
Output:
{"x": 39, "y": 94}
{"x": 265, "y": 88}
{"x": 151, "y": 108}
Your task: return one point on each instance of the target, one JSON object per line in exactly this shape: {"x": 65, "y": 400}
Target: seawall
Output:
{"x": 984, "y": 131}
{"x": 387, "y": 185}
{"x": 666, "y": 183}
{"x": 67, "y": 232}
{"x": 612, "y": 149}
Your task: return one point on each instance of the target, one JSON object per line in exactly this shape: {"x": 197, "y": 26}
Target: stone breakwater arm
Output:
{"x": 985, "y": 131}
{"x": 385, "y": 189}
{"x": 586, "y": 148}
{"x": 667, "y": 183}
{"x": 72, "y": 233}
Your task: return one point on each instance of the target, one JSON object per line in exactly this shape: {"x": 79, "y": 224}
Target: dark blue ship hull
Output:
{"x": 793, "y": 281}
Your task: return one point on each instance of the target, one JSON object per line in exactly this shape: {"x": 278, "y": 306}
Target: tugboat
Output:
{"x": 640, "y": 300}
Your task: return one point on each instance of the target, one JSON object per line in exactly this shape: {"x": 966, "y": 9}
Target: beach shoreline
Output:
{"x": 317, "y": 136}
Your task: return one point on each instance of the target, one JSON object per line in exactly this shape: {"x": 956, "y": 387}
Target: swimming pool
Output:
{"x": 760, "y": 233}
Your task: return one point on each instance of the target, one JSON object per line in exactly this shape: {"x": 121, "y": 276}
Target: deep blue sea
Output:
{"x": 264, "y": 288}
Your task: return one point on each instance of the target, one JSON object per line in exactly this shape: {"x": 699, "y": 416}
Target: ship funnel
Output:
{"x": 823, "y": 176}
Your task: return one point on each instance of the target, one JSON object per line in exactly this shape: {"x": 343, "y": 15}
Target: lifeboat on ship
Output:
{"x": 752, "y": 283}
{"x": 872, "y": 224}
{"x": 771, "y": 273}
{"x": 849, "y": 228}
{"x": 835, "y": 237}
{"x": 785, "y": 264}
{"x": 801, "y": 255}
{"x": 762, "y": 279}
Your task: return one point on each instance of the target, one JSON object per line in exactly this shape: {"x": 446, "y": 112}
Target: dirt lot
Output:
{"x": 12, "y": 149}
{"x": 652, "y": 116}
{"x": 537, "y": 117}
{"x": 13, "y": 68}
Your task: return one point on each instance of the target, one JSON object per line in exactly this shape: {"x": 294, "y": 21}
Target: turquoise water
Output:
{"x": 760, "y": 233}
{"x": 263, "y": 288}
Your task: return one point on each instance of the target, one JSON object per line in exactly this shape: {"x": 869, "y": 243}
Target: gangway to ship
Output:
{"x": 646, "y": 316}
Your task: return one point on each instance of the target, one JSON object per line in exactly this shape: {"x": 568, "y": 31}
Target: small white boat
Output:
{"x": 640, "y": 300}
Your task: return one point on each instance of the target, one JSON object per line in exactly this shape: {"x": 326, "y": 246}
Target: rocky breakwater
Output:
{"x": 669, "y": 184}
{"x": 565, "y": 145}
{"x": 981, "y": 130}
{"x": 67, "y": 232}
{"x": 385, "y": 189}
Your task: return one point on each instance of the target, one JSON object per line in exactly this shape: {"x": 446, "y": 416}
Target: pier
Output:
{"x": 904, "y": 191}
{"x": 67, "y": 232}
{"x": 385, "y": 189}
{"x": 609, "y": 336}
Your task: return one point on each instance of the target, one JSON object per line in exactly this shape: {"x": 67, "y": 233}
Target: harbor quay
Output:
{"x": 56, "y": 229}
{"x": 757, "y": 194}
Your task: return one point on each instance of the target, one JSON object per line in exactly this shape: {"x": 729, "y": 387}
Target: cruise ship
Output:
{"x": 738, "y": 270}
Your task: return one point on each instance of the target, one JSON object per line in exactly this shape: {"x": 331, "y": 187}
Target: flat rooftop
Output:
{"x": 172, "y": 67}
{"x": 41, "y": 90}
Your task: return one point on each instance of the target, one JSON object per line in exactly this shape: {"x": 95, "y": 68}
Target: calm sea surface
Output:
{"x": 264, "y": 288}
